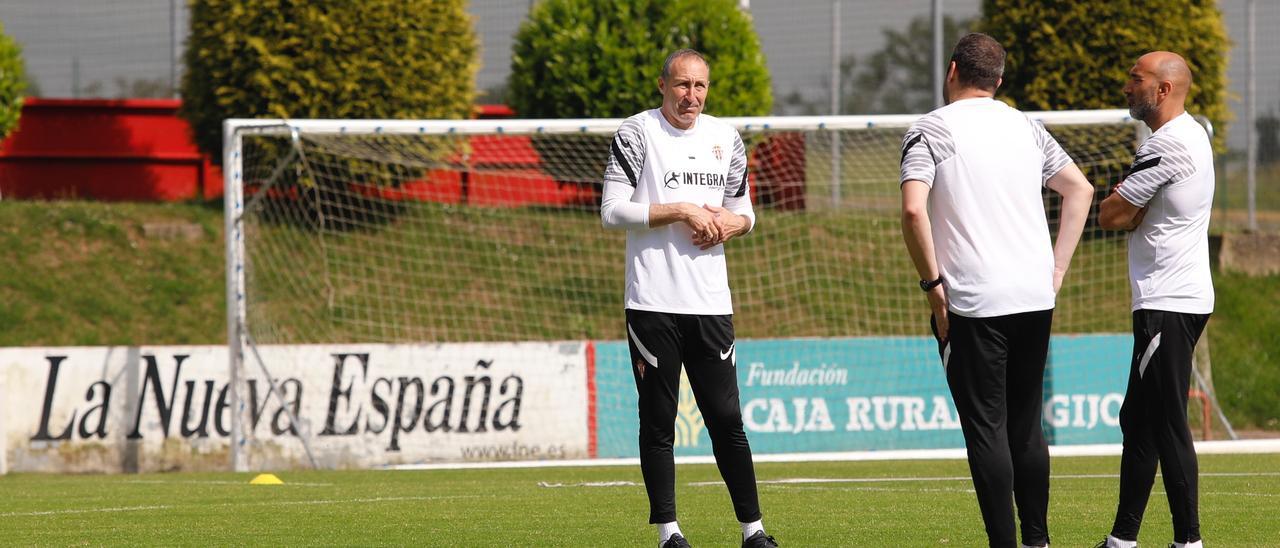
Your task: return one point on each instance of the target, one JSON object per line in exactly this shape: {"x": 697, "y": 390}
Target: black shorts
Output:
{"x": 662, "y": 338}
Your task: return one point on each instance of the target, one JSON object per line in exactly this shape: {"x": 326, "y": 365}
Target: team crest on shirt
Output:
{"x": 718, "y": 152}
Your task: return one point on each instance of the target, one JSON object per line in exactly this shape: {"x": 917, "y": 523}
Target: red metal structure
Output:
{"x": 141, "y": 150}
{"x": 112, "y": 150}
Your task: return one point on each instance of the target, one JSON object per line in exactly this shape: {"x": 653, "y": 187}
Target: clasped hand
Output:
{"x": 713, "y": 225}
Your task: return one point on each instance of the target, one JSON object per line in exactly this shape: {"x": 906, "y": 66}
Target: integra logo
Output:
{"x": 674, "y": 179}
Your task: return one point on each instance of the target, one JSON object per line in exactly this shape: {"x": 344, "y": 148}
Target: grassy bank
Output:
{"x": 110, "y": 274}
{"x": 130, "y": 274}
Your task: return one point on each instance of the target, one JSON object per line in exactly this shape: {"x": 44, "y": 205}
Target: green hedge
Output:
{"x": 602, "y": 58}
{"x": 297, "y": 59}
{"x": 1076, "y": 55}
{"x": 13, "y": 82}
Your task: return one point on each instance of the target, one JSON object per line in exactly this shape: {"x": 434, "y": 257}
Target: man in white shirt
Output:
{"x": 974, "y": 223}
{"x": 1164, "y": 202}
{"x": 677, "y": 182}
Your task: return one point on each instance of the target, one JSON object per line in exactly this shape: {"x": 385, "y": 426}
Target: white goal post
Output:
{"x": 432, "y": 232}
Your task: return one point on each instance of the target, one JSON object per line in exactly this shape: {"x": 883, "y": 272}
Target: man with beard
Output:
{"x": 1164, "y": 202}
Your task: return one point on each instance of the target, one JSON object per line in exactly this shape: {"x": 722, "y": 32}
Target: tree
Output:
{"x": 1268, "y": 126}
{"x": 295, "y": 59}
{"x": 602, "y": 58}
{"x": 897, "y": 78}
{"x": 1076, "y": 55}
{"x": 13, "y": 82}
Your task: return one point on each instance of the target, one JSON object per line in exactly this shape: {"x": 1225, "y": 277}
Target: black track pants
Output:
{"x": 1154, "y": 421}
{"x": 995, "y": 369}
{"x": 660, "y": 344}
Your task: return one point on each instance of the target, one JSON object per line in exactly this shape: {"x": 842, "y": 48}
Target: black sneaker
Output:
{"x": 759, "y": 540}
{"x": 676, "y": 541}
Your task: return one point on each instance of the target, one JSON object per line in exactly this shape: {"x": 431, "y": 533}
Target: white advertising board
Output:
{"x": 80, "y": 409}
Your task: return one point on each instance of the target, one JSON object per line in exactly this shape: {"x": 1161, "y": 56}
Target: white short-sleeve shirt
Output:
{"x": 986, "y": 164}
{"x": 705, "y": 164}
{"x": 1172, "y": 176}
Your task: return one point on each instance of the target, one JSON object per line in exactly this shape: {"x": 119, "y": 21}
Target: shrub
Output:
{"x": 13, "y": 82}
{"x": 297, "y": 59}
{"x": 395, "y": 59}
{"x": 602, "y": 58}
{"x": 1076, "y": 55}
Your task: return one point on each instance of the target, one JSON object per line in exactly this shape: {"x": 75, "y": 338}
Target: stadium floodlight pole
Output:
{"x": 939, "y": 73}
{"x": 1250, "y": 114}
{"x": 173, "y": 48}
{"x": 835, "y": 101}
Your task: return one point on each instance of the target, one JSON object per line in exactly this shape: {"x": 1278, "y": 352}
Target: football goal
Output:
{"x": 378, "y": 232}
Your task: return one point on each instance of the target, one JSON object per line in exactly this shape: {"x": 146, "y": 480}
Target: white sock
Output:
{"x": 665, "y": 530}
{"x": 1196, "y": 544}
{"x": 749, "y": 529}
{"x": 1113, "y": 542}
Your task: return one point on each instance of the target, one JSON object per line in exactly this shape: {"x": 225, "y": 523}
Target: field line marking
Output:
{"x": 878, "y": 489}
{"x": 590, "y": 484}
{"x": 87, "y": 510}
{"x": 787, "y": 481}
{"x": 232, "y": 504}
{"x": 1239, "y": 494}
{"x": 222, "y": 482}
{"x": 902, "y": 479}
{"x": 1223, "y": 447}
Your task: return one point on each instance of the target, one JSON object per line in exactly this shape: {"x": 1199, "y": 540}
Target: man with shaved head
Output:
{"x": 1164, "y": 203}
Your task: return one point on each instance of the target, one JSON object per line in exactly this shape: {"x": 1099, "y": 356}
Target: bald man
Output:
{"x": 1164, "y": 203}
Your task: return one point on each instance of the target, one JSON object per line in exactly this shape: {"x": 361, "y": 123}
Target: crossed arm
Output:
{"x": 1116, "y": 213}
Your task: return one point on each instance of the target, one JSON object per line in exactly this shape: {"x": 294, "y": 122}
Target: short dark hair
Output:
{"x": 686, "y": 52}
{"x": 979, "y": 61}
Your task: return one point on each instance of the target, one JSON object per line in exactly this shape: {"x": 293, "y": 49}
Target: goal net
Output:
{"x": 458, "y": 237}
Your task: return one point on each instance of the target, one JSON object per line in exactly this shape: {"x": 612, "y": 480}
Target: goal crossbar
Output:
{"x": 282, "y": 126}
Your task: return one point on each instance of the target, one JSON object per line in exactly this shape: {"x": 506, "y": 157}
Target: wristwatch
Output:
{"x": 927, "y": 285}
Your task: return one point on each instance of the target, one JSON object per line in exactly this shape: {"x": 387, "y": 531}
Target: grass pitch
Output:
{"x": 886, "y": 503}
